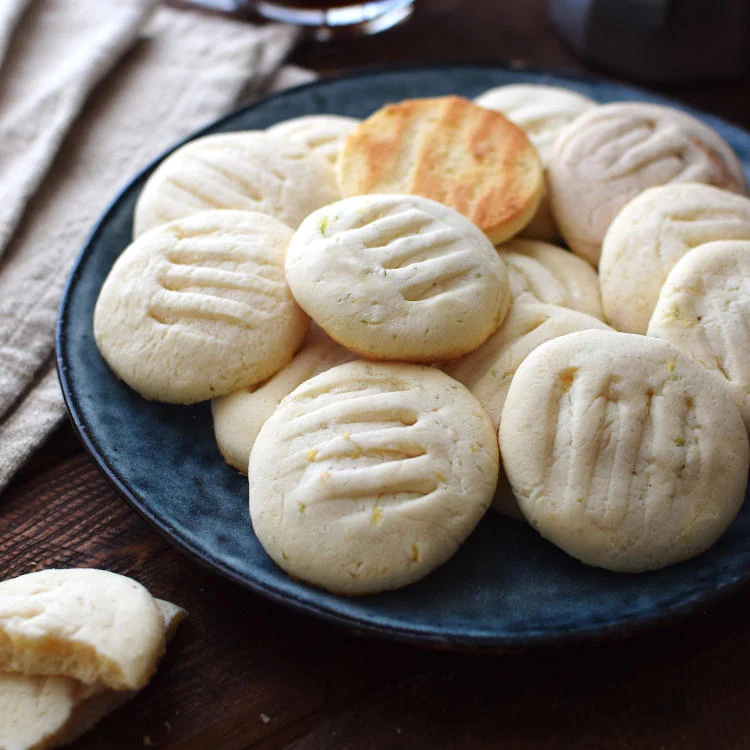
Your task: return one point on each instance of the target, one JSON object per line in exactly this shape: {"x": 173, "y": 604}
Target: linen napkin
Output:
{"x": 90, "y": 92}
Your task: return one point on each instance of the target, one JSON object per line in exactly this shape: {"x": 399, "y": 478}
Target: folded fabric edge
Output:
{"x": 34, "y": 418}
{"x": 49, "y": 115}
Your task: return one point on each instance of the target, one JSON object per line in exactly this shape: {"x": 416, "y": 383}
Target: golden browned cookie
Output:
{"x": 448, "y": 149}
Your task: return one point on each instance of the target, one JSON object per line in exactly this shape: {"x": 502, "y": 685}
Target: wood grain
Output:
{"x": 245, "y": 673}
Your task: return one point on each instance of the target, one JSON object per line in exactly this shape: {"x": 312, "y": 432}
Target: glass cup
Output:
{"x": 334, "y": 19}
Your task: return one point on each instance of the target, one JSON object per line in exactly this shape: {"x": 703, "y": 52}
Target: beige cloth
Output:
{"x": 67, "y": 145}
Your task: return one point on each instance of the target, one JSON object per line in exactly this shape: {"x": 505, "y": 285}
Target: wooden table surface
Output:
{"x": 243, "y": 672}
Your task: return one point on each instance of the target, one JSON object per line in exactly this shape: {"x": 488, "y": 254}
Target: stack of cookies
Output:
{"x": 370, "y": 304}
{"x": 74, "y": 645}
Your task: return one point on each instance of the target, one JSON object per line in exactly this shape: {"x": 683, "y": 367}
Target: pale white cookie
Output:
{"x": 371, "y": 475}
{"x": 92, "y": 625}
{"x": 542, "y": 112}
{"x": 249, "y": 171}
{"x": 37, "y": 713}
{"x": 651, "y": 233}
{"x": 239, "y": 416}
{"x": 488, "y": 371}
{"x": 539, "y": 272}
{"x": 611, "y": 153}
{"x": 323, "y": 134}
{"x": 622, "y": 450}
{"x": 398, "y": 277}
{"x": 200, "y": 307}
{"x": 704, "y": 309}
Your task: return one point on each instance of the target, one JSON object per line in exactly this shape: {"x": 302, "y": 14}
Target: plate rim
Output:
{"x": 668, "y": 615}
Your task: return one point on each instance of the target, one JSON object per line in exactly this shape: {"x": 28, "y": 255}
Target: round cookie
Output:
{"x": 370, "y": 475}
{"x": 611, "y": 153}
{"x": 452, "y": 151}
{"x": 651, "y": 233}
{"x": 92, "y": 625}
{"x": 704, "y": 309}
{"x": 239, "y": 416}
{"x": 487, "y": 371}
{"x": 199, "y": 307}
{"x": 623, "y": 451}
{"x": 542, "y": 112}
{"x": 398, "y": 277}
{"x": 249, "y": 171}
{"x": 323, "y": 134}
{"x": 539, "y": 272}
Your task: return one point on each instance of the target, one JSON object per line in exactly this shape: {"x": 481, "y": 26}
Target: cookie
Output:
{"x": 44, "y": 712}
{"x": 487, "y": 372}
{"x": 88, "y": 624}
{"x": 37, "y": 713}
{"x": 623, "y": 451}
{"x": 245, "y": 171}
{"x": 469, "y": 158}
{"x": 651, "y": 233}
{"x": 539, "y": 272}
{"x": 200, "y": 307}
{"x": 611, "y": 153}
{"x": 370, "y": 475}
{"x": 239, "y": 416}
{"x": 704, "y": 309}
{"x": 542, "y": 112}
{"x": 398, "y": 277}
{"x": 323, "y": 134}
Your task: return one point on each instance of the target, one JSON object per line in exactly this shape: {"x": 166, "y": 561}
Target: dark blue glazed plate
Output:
{"x": 506, "y": 588}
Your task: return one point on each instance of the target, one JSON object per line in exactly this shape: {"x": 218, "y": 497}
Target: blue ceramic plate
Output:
{"x": 506, "y": 588}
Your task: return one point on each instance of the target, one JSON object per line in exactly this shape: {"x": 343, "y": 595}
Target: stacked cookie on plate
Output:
{"x": 334, "y": 287}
